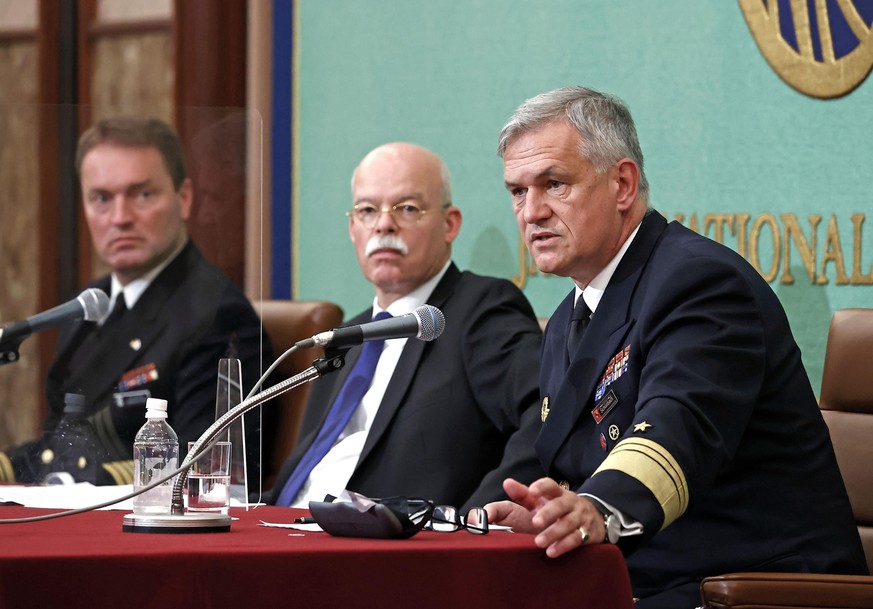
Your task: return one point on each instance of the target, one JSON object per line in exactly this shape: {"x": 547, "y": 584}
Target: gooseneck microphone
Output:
{"x": 90, "y": 305}
{"x": 425, "y": 323}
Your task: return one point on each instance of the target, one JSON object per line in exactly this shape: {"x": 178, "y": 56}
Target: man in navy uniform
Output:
{"x": 678, "y": 420}
{"x": 174, "y": 314}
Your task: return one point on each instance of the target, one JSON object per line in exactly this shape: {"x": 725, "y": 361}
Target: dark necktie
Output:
{"x": 117, "y": 311}
{"x": 578, "y": 322}
{"x": 344, "y": 406}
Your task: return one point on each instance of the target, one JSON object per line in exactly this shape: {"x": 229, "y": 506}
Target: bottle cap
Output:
{"x": 74, "y": 403}
{"x": 156, "y": 408}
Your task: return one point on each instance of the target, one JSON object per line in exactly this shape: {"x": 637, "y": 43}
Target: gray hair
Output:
{"x": 606, "y": 128}
{"x": 445, "y": 184}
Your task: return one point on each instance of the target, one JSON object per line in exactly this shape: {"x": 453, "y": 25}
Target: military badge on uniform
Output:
{"x": 642, "y": 426}
{"x": 138, "y": 376}
{"x": 603, "y": 406}
{"x": 544, "y": 409}
{"x": 614, "y": 369}
{"x": 614, "y": 432}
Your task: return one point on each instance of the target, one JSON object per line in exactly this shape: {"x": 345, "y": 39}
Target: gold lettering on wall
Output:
{"x": 754, "y": 257}
{"x": 806, "y": 248}
{"x": 785, "y": 241}
{"x": 833, "y": 252}
{"x": 857, "y": 277}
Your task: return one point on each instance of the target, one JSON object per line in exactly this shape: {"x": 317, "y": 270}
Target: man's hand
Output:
{"x": 560, "y": 519}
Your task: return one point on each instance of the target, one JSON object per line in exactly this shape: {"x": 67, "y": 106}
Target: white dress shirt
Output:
{"x": 334, "y": 471}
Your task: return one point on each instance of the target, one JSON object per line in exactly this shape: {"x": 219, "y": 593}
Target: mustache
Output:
{"x": 386, "y": 242}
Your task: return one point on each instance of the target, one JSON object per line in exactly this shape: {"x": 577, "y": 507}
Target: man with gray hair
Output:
{"x": 678, "y": 421}
{"x": 438, "y": 420}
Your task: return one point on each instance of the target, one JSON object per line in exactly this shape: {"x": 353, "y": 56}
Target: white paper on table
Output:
{"x": 72, "y": 496}
{"x": 309, "y": 527}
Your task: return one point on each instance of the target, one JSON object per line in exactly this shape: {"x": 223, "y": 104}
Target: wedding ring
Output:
{"x": 584, "y": 534}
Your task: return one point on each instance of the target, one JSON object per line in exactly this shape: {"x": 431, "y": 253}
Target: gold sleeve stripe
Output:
{"x": 102, "y": 421}
{"x": 121, "y": 471}
{"x": 7, "y": 473}
{"x": 656, "y": 469}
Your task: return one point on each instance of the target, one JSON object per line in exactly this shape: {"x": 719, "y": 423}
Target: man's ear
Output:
{"x": 453, "y": 220}
{"x": 186, "y": 198}
{"x": 626, "y": 182}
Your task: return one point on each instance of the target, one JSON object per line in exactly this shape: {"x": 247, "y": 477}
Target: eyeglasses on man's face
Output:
{"x": 405, "y": 215}
{"x": 447, "y": 519}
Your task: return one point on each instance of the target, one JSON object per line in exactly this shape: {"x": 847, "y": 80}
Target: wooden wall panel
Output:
{"x": 20, "y": 382}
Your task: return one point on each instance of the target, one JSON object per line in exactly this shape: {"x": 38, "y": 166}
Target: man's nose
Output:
{"x": 122, "y": 211}
{"x": 386, "y": 222}
{"x": 536, "y": 206}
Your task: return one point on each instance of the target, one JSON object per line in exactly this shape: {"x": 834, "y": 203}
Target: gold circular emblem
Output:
{"x": 82, "y": 462}
{"x": 613, "y": 432}
{"x": 544, "y": 410}
{"x": 825, "y": 52}
{"x": 47, "y": 456}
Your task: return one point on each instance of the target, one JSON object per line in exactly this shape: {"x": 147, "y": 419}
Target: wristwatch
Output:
{"x": 610, "y": 521}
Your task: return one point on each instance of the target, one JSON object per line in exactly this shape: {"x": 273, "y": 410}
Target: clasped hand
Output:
{"x": 558, "y": 517}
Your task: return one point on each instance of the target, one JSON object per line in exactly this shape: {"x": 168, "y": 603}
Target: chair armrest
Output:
{"x": 795, "y": 590}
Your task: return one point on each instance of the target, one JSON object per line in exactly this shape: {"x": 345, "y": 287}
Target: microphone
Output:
{"x": 90, "y": 305}
{"x": 425, "y": 323}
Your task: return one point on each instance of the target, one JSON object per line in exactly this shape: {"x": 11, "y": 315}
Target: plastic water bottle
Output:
{"x": 73, "y": 447}
{"x": 155, "y": 454}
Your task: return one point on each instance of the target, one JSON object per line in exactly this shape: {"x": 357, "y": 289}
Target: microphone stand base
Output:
{"x": 190, "y": 522}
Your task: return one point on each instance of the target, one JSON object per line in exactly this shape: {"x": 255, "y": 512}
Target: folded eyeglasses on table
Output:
{"x": 393, "y": 517}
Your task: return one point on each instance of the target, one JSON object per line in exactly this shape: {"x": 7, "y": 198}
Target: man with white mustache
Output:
{"x": 440, "y": 419}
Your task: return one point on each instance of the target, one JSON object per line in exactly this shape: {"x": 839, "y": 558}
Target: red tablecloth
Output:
{"x": 87, "y": 561}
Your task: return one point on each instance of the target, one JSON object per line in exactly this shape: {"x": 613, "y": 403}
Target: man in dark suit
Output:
{"x": 174, "y": 314}
{"x": 680, "y": 423}
{"x": 440, "y": 419}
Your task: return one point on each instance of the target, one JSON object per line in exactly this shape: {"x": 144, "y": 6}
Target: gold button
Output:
{"x": 564, "y": 485}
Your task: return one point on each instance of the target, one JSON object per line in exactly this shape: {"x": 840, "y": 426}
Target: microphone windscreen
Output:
{"x": 431, "y": 322}
{"x": 95, "y": 303}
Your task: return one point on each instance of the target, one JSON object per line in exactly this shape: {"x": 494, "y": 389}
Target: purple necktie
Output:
{"x": 344, "y": 406}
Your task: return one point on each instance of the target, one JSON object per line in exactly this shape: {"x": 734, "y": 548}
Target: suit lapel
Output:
{"x": 407, "y": 366}
{"x": 72, "y": 336}
{"x": 130, "y": 339}
{"x": 609, "y": 325}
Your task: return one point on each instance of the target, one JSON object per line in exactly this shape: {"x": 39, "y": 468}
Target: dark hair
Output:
{"x": 136, "y": 133}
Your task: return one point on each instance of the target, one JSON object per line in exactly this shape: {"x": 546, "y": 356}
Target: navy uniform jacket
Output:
{"x": 169, "y": 344}
{"x": 450, "y": 413}
{"x": 687, "y": 407}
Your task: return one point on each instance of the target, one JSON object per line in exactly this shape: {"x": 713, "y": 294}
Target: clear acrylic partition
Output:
{"x": 227, "y": 395}
{"x": 43, "y": 235}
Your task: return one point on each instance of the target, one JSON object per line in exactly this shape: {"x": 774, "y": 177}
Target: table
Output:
{"x": 86, "y": 560}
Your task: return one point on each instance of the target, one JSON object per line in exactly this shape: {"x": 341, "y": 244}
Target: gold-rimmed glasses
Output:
{"x": 405, "y": 214}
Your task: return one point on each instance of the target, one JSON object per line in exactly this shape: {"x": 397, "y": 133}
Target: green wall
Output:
{"x": 721, "y": 132}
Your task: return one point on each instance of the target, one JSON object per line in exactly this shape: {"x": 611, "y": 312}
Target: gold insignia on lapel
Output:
{"x": 614, "y": 432}
{"x": 642, "y": 426}
{"x": 544, "y": 411}
{"x": 135, "y": 344}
